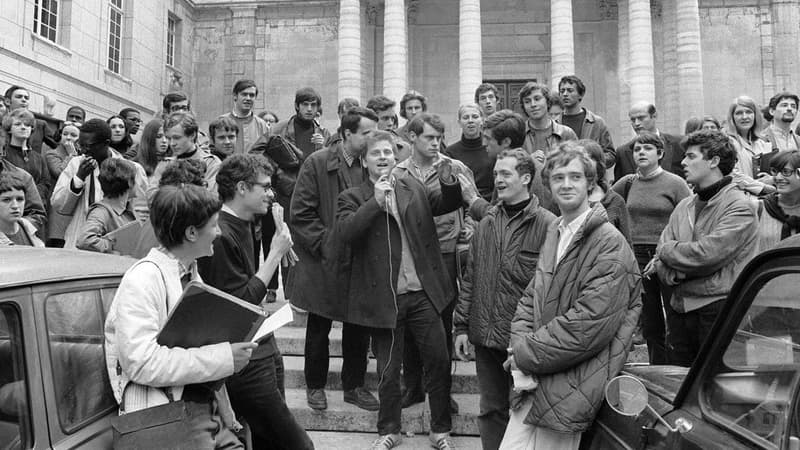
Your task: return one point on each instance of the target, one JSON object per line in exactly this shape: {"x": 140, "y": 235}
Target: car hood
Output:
{"x": 663, "y": 381}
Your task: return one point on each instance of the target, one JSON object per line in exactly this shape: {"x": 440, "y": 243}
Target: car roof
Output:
{"x": 21, "y": 266}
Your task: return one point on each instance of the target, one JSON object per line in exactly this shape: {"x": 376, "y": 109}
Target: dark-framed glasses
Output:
{"x": 785, "y": 172}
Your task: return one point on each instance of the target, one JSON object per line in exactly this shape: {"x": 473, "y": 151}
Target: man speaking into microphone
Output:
{"x": 397, "y": 282}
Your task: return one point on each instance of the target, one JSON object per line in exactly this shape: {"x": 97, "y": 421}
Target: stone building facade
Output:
{"x": 689, "y": 58}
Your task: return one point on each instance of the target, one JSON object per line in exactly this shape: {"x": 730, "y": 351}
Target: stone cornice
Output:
{"x": 202, "y": 4}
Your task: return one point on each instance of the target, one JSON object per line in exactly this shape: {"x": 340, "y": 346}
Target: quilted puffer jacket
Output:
{"x": 502, "y": 260}
{"x": 573, "y": 326}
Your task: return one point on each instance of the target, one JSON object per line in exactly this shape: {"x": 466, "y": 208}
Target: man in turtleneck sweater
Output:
{"x": 710, "y": 236}
{"x": 471, "y": 151}
{"x": 181, "y": 130}
{"x": 302, "y": 129}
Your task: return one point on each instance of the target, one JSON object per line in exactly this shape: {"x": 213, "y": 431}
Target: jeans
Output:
{"x": 355, "y": 341}
{"x": 257, "y": 393}
{"x": 687, "y": 332}
{"x": 416, "y": 316}
{"x": 654, "y": 295}
{"x": 495, "y": 385}
{"x": 412, "y": 363}
{"x": 208, "y": 432}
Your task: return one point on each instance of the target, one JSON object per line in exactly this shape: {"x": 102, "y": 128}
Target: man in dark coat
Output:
{"x": 319, "y": 282}
{"x": 643, "y": 118}
{"x": 398, "y": 281}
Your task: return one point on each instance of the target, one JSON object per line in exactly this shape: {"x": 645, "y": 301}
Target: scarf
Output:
{"x": 791, "y": 224}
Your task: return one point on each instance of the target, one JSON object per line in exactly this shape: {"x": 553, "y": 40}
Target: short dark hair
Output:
{"x": 529, "y": 88}
{"x": 646, "y": 137}
{"x": 174, "y": 209}
{"x": 185, "y": 119}
{"x": 525, "y": 162}
{"x": 174, "y": 97}
{"x": 99, "y": 128}
{"x": 352, "y": 118}
{"x": 14, "y": 87}
{"x": 241, "y": 85}
{"x": 77, "y": 108}
{"x": 237, "y": 168}
{"x": 566, "y": 152}
{"x": 417, "y": 124}
{"x": 222, "y": 123}
{"x": 713, "y": 143}
{"x": 125, "y": 111}
{"x": 782, "y": 159}
{"x": 346, "y": 104}
{"x": 117, "y": 176}
{"x": 555, "y": 100}
{"x": 382, "y": 136}
{"x": 485, "y": 87}
{"x": 412, "y": 95}
{"x": 506, "y": 124}
{"x": 773, "y": 102}
{"x": 307, "y": 94}
{"x": 9, "y": 181}
{"x": 572, "y": 79}
{"x": 184, "y": 171}
{"x": 380, "y": 103}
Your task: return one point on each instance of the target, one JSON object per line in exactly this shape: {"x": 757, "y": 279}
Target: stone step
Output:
{"x": 465, "y": 380}
{"x": 356, "y": 441}
{"x": 341, "y": 416}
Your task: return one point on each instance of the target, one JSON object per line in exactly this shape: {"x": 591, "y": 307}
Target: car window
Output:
{"x": 752, "y": 387}
{"x": 75, "y": 334}
{"x": 15, "y": 420}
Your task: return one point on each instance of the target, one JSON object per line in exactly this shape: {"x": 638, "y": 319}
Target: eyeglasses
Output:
{"x": 785, "y": 172}
{"x": 266, "y": 186}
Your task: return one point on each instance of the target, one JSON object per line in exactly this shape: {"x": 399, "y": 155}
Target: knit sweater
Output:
{"x": 650, "y": 203}
{"x": 232, "y": 268}
{"x": 473, "y": 154}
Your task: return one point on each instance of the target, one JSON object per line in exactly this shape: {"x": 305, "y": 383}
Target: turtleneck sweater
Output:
{"x": 473, "y": 154}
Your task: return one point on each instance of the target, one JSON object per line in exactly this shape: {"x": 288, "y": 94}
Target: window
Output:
{"x": 15, "y": 420}
{"x": 171, "y": 30}
{"x": 752, "y": 387}
{"x": 75, "y": 335}
{"x": 45, "y": 18}
{"x": 114, "y": 35}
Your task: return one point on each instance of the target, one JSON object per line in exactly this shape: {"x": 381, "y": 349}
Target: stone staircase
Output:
{"x": 344, "y": 426}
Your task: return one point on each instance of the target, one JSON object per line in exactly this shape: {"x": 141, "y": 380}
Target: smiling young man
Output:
{"x": 181, "y": 131}
{"x": 257, "y": 392}
{"x": 503, "y": 254}
{"x": 251, "y": 127}
{"x": 543, "y": 134}
{"x": 396, "y": 283}
{"x": 574, "y": 324}
{"x": 709, "y": 238}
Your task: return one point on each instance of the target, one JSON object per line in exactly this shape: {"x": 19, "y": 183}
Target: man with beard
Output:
{"x": 303, "y": 129}
{"x": 486, "y": 98}
{"x": 251, "y": 127}
{"x": 585, "y": 124}
{"x": 782, "y": 110}
{"x": 78, "y": 186}
{"x": 319, "y": 281}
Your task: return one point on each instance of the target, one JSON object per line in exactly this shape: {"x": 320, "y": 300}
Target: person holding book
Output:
{"x": 117, "y": 177}
{"x": 257, "y": 392}
{"x": 145, "y": 374}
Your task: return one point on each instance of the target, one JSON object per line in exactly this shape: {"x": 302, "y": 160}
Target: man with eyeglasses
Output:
{"x": 257, "y": 392}
{"x": 175, "y": 102}
{"x": 709, "y": 238}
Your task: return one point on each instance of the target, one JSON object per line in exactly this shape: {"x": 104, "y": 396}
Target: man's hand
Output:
{"x": 290, "y": 259}
{"x": 277, "y": 215}
{"x": 462, "y": 347}
{"x": 281, "y": 242}
{"x": 444, "y": 168}
{"x": 317, "y": 139}
{"x": 242, "y": 352}
{"x": 650, "y": 268}
{"x": 86, "y": 168}
{"x": 509, "y": 363}
{"x": 539, "y": 155}
{"x": 469, "y": 193}
{"x": 766, "y": 178}
{"x": 382, "y": 187}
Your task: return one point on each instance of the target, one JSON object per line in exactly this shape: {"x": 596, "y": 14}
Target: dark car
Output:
{"x": 743, "y": 390}
{"x": 54, "y": 389}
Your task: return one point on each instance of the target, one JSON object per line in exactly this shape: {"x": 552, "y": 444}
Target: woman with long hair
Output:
{"x": 121, "y": 140}
{"x": 779, "y": 212}
{"x": 153, "y": 147}
{"x": 742, "y": 126}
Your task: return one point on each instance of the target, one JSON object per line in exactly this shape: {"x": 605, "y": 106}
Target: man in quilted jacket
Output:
{"x": 502, "y": 260}
{"x": 574, "y": 323}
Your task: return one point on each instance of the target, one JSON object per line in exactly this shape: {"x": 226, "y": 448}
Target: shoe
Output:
{"x": 362, "y": 398}
{"x": 412, "y": 397}
{"x": 386, "y": 441}
{"x": 453, "y": 406}
{"x": 441, "y": 441}
{"x": 316, "y": 399}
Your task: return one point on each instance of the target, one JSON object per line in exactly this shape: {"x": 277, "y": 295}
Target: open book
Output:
{"x": 205, "y": 315}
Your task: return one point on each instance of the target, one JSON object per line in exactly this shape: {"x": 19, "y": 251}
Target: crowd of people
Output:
{"x": 531, "y": 244}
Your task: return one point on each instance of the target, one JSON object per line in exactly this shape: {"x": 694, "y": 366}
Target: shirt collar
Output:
{"x": 348, "y": 158}
{"x": 227, "y": 209}
{"x": 576, "y": 223}
{"x": 183, "y": 270}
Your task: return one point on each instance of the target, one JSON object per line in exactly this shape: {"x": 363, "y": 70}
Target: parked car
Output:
{"x": 54, "y": 388}
{"x": 743, "y": 390}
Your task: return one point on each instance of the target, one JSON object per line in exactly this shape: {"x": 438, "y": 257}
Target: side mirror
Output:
{"x": 627, "y": 395}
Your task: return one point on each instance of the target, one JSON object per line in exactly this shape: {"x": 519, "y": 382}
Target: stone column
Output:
{"x": 623, "y": 39}
{"x": 470, "y": 60}
{"x": 350, "y": 49}
{"x": 785, "y": 35}
{"x": 690, "y": 62}
{"x": 395, "y": 53}
{"x": 641, "y": 74}
{"x": 562, "y": 45}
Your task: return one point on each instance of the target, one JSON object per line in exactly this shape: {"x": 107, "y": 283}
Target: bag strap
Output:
{"x": 627, "y": 189}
